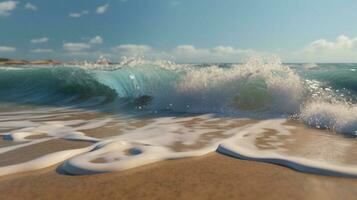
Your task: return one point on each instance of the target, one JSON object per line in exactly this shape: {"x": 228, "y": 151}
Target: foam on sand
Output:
{"x": 162, "y": 139}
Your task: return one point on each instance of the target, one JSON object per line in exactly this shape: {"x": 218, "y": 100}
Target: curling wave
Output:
{"x": 259, "y": 88}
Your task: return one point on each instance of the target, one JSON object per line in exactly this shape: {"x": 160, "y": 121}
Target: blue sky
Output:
{"x": 180, "y": 30}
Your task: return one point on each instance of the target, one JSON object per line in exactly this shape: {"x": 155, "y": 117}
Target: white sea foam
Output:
{"x": 339, "y": 117}
{"x": 258, "y": 85}
{"x": 158, "y": 139}
{"x": 311, "y": 66}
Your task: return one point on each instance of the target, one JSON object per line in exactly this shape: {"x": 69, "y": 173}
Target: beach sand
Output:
{"x": 214, "y": 176}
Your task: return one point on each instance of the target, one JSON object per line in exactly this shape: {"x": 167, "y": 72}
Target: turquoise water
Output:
{"x": 213, "y": 86}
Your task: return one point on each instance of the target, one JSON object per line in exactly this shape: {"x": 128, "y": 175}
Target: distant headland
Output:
{"x": 7, "y": 61}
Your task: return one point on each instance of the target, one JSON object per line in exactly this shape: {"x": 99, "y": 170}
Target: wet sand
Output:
{"x": 214, "y": 176}
{"x": 29, "y": 153}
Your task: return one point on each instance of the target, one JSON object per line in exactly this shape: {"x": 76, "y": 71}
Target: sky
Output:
{"x": 183, "y": 31}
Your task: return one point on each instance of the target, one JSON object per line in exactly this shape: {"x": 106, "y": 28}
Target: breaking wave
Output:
{"x": 321, "y": 98}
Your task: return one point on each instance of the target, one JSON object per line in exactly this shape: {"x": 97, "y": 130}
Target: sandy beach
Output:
{"x": 214, "y": 176}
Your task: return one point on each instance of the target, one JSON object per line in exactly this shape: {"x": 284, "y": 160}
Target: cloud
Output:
{"x": 40, "y": 40}
{"x": 102, "y": 9}
{"x": 41, "y": 51}
{"x": 343, "y": 49}
{"x": 96, "y": 40}
{"x": 342, "y": 43}
{"x": 6, "y": 7}
{"x": 79, "y": 48}
{"x": 75, "y": 47}
{"x": 187, "y": 53}
{"x": 7, "y": 49}
{"x": 133, "y": 50}
{"x": 30, "y": 6}
{"x": 80, "y": 14}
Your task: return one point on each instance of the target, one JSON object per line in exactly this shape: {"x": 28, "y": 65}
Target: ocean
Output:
{"x": 137, "y": 112}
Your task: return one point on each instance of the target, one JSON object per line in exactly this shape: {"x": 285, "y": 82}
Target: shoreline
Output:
{"x": 214, "y": 176}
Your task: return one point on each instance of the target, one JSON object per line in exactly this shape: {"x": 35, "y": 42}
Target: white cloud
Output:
{"x": 6, "y": 7}
{"x": 7, "y": 49}
{"x": 343, "y": 49}
{"x": 187, "y": 53}
{"x": 75, "y": 47}
{"x": 188, "y": 49}
{"x": 78, "y": 48}
{"x": 342, "y": 43}
{"x": 41, "y": 51}
{"x": 80, "y": 14}
{"x": 30, "y": 6}
{"x": 96, "y": 40}
{"x": 102, "y": 9}
{"x": 40, "y": 40}
{"x": 133, "y": 50}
